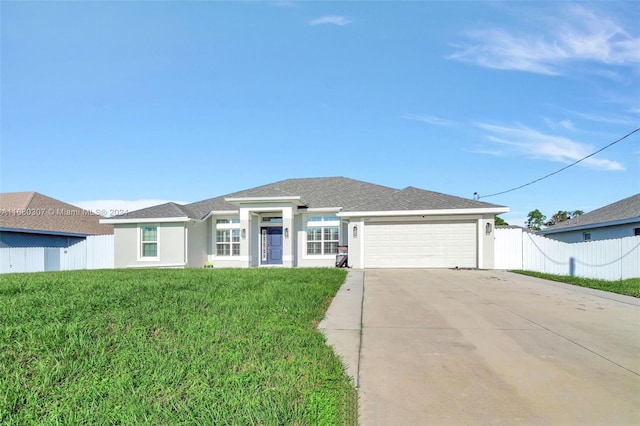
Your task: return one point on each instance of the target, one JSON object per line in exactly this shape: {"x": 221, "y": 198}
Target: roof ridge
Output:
{"x": 28, "y": 194}
{"x": 41, "y": 197}
{"x": 618, "y": 210}
{"x": 366, "y": 203}
{"x": 52, "y": 214}
{"x": 31, "y": 196}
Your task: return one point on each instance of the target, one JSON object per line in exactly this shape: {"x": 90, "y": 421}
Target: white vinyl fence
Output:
{"x": 605, "y": 259}
{"x": 96, "y": 252}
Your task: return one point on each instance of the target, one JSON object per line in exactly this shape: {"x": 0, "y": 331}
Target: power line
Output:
{"x": 558, "y": 171}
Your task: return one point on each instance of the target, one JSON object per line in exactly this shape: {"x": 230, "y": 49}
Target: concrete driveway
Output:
{"x": 447, "y": 347}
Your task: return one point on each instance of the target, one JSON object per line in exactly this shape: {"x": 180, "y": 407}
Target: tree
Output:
{"x": 500, "y": 221}
{"x": 563, "y": 215}
{"x": 535, "y": 220}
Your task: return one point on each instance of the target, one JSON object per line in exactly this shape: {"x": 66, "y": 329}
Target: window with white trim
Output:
{"x": 233, "y": 220}
{"x": 228, "y": 237}
{"x": 148, "y": 241}
{"x": 323, "y": 235}
{"x": 272, "y": 219}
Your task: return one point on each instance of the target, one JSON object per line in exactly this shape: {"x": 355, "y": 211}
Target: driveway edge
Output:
{"x": 342, "y": 324}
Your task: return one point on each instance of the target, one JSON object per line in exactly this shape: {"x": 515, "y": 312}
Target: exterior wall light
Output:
{"x": 244, "y": 233}
{"x": 488, "y": 228}
{"x": 355, "y": 231}
{"x": 286, "y": 232}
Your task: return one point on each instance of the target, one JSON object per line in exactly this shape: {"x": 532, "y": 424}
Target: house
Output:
{"x": 618, "y": 220}
{"x": 302, "y": 222}
{"x": 30, "y": 219}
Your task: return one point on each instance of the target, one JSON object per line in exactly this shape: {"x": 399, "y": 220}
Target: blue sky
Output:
{"x": 111, "y": 104}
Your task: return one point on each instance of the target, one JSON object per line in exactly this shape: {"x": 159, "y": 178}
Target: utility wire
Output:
{"x": 562, "y": 169}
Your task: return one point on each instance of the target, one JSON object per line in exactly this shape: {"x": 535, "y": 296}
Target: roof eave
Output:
{"x": 220, "y": 213}
{"x": 44, "y": 231}
{"x": 322, "y": 209}
{"x": 486, "y": 210}
{"x": 113, "y": 221}
{"x": 590, "y": 226}
{"x": 297, "y": 200}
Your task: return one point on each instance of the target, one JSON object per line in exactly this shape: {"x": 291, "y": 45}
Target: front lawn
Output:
{"x": 170, "y": 347}
{"x": 629, "y": 287}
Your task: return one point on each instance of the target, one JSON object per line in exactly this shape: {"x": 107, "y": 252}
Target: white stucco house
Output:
{"x": 617, "y": 220}
{"x": 302, "y": 222}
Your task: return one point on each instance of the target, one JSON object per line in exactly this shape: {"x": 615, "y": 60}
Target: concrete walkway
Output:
{"x": 451, "y": 347}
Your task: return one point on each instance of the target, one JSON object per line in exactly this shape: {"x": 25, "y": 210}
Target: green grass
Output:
{"x": 629, "y": 287}
{"x": 170, "y": 347}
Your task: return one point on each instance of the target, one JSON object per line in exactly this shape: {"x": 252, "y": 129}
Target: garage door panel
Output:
{"x": 420, "y": 245}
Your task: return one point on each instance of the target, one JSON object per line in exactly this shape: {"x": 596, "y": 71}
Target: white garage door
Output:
{"x": 420, "y": 245}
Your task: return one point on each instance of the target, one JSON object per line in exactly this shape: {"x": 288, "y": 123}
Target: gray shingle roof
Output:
{"x": 626, "y": 209}
{"x": 350, "y": 194}
{"x": 412, "y": 198}
{"x": 161, "y": 210}
{"x": 321, "y": 192}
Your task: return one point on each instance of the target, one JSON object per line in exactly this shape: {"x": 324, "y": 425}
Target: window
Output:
{"x": 234, "y": 220}
{"x": 586, "y": 236}
{"x": 323, "y": 219}
{"x": 149, "y": 241}
{"x": 272, "y": 219}
{"x": 227, "y": 234}
{"x": 323, "y": 235}
{"x": 636, "y": 231}
{"x": 228, "y": 242}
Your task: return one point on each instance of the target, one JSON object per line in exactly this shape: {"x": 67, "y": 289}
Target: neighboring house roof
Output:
{"x": 618, "y": 213}
{"x": 349, "y": 194}
{"x": 32, "y": 211}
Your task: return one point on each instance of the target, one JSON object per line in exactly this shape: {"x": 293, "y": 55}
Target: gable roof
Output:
{"x": 349, "y": 194}
{"x": 623, "y": 211}
{"x": 33, "y": 211}
{"x": 165, "y": 210}
{"x": 315, "y": 192}
{"x": 412, "y": 198}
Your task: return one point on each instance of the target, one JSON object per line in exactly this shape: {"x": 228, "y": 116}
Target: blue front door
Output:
{"x": 271, "y": 246}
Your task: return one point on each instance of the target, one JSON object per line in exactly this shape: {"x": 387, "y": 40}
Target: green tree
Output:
{"x": 500, "y": 221}
{"x": 535, "y": 220}
{"x": 563, "y": 215}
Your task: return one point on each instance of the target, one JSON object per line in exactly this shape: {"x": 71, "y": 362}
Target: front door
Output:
{"x": 271, "y": 246}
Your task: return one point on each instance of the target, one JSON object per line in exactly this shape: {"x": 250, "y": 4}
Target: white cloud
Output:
{"x": 601, "y": 118}
{"x": 579, "y": 35}
{"x": 565, "y": 124}
{"x": 115, "y": 207}
{"x": 429, "y": 119}
{"x": 492, "y": 152}
{"x": 331, "y": 19}
{"x": 529, "y": 142}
